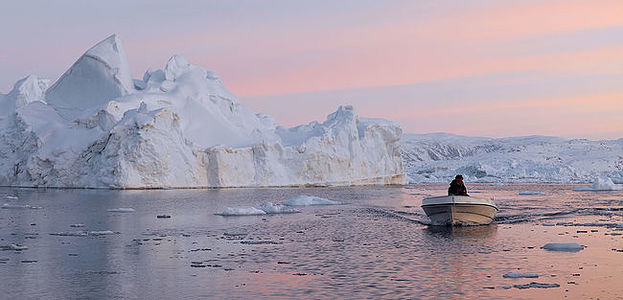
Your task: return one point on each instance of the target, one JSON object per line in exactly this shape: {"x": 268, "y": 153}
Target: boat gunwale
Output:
{"x": 463, "y": 203}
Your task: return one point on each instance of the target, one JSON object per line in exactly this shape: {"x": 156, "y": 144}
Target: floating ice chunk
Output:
{"x": 84, "y": 233}
{"x": 259, "y": 242}
{"x": 102, "y": 232}
{"x": 606, "y": 184}
{"x": 520, "y": 275}
{"x": 71, "y": 233}
{"x": 270, "y": 208}
{"x": 566, "y": 247}
{"x": 305, "y": 200}
{"x": 242, "y": 211}
{"x": 536, "y": 285}
{"x": 600, "y": 184}
{"x": 19, "y": 206}
{"x": 16, "y": 247}
{"x": 581, "y": 188}
{"x": 122, "y": 210}
{"x": 531, "y": 193}
{"x": 12, "y": 197}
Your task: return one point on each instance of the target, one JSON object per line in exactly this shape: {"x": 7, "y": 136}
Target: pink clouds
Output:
{"x": 275, "y": 49}
{"x": 458, "y": 44}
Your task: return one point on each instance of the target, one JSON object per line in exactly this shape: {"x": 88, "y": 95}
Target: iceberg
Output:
{"x": 600, "y": 184}
{"x": 96, "y": 127}
{"x": 305, "y": 200}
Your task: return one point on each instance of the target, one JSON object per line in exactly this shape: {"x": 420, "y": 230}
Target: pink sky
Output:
{"x": 484, "y": 67}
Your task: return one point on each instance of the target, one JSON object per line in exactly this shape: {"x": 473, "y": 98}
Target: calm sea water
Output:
{"x": 376, "y": 245}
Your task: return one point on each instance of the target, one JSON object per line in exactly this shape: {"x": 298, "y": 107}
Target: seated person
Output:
{"x": 457, "y": 188}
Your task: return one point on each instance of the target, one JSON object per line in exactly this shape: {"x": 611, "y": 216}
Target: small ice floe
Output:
{"x": 520, "y": 275}
{"x": 28, "y": 261}
{"x": 122, "y": 210}
{"x": 101, "y": 232}
{"x": 84, "y": 233}
{"x": 305, "y": 200}
{"x": 242, "y": 211}
{"x": 600, "y": 184}
{"x": 582, "y": 188}
{"x": 15, "y": 247}
{"x": 270, "y": 208}
{"x": 531, "y": 193}
{"x": 565, "y": 247}
{"x": 536, "y": 285}
{"x": 12, "y": 197}
{"x": 266, "y": 208}
{"x": 252, "y": 242}
{"x": 19, "y": 206}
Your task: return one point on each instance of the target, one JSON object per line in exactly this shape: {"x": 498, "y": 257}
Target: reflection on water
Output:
{"x": 461, "y": 232}
{"x": 375, "y": 246}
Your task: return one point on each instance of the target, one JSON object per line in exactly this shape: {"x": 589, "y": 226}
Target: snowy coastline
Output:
{"x": 438, "y": 157}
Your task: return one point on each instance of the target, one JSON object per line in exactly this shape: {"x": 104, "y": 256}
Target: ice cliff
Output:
{"x": 176, "y": 127}
{"x": 540, "y": 159}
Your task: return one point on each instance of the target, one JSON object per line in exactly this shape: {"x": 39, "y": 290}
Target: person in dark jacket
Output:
{"x": 457, "y": 187}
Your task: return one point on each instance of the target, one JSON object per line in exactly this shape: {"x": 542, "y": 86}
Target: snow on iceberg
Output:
{"x": 176, "y": 127}
{"x": 305, "y": 200}
{"x": 600, "y": 184}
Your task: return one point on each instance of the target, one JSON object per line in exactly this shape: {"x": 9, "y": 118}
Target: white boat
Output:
{"x": 459, "y": 210}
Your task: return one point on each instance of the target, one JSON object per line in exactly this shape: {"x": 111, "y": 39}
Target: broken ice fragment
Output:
{"x": 565, "y": 247}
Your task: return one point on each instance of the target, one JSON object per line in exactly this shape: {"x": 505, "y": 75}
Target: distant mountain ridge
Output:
{"x": 438, "y": 157}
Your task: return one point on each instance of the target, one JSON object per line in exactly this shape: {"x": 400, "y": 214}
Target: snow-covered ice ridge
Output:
{"x": 177, "y": 127}
{"x": 439, "y": 157}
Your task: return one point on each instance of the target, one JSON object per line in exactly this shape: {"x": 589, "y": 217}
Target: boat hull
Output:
{"x": 459, "y": 210}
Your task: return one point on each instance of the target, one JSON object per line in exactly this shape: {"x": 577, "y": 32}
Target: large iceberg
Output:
{"x": 96, "y": 127}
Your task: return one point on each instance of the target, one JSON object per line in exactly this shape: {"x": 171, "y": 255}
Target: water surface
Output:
{"x": 376, "y": 245}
